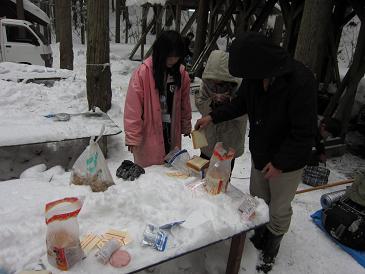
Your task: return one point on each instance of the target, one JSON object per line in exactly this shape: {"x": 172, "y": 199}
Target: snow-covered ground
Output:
{"x": 305, "y": 249}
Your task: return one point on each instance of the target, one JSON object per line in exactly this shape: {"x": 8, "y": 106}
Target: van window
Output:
{"x": 20, "y": 34}
{"x": 40, "y": 35}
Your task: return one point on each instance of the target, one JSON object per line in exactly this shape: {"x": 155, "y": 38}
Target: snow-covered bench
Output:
{"x": 32, "y": 73}
{"x": 28, "y": 141}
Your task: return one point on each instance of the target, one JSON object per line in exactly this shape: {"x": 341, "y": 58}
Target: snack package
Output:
{"x": 178, "y": 159}
{"x": 219, "y": 170}
{"x": 91, "y": 168}
{"x": 199, "y": 139}
{"x": 248, "y": 207}
{"x": 63, "y": 243}
{"x": 104, "y": 254}
{"x": 155, "y": 237}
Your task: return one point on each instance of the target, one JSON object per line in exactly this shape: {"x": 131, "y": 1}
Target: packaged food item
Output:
{"x": 155, "y": 237}
{"x": 104, "y": 254}
{"x": 197, "y": 163}
{"x": 120, "y": 258}
{"x": 63, "y": 243}
{"x": 91, "y": 168}
{"x": 199, "y": 139}
{"x": 248, "y": 207}
{"x": 219, "y": 170}
{"x": 89, "y": 242}
{"x": 178, "y": 159}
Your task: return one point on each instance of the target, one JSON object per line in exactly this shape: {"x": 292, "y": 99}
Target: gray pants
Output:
{"x": 278, "y": 193}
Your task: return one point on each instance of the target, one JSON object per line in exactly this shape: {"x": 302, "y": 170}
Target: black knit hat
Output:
{"x": 253, "y": 56}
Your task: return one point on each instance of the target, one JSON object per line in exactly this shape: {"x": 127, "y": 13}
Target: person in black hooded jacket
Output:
{"x": 279, "y": 96}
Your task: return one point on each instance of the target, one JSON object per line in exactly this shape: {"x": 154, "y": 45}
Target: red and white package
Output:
{"x": 63, "y": 243}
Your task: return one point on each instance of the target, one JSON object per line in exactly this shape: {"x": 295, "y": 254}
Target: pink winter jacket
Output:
{"x": 142, "y": 116}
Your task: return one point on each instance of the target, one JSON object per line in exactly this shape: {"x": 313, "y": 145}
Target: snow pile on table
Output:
{"x": 153, "y": 198}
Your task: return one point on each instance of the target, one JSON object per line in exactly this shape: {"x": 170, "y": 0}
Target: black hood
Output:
{"x": 253, "y": 56}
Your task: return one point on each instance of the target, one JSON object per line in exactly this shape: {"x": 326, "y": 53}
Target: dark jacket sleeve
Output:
{"x": 294, "y": 152}
{"x": 236, "y": 108}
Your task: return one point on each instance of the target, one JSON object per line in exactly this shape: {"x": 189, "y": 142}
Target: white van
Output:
{"x": 21, "y": 42}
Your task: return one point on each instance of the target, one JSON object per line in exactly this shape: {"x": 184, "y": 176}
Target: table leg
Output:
{"x": 235, "y": 253}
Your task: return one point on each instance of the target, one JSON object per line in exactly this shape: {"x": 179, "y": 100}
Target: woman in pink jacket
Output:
{"x": 157, "y": 107}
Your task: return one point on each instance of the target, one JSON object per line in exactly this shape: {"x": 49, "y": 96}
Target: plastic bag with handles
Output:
{"x": 91, "y": 168}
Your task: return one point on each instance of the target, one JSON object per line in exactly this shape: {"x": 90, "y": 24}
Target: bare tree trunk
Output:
{"x": 56, "y": 12}
{"x": 127, "y": 23}
{"x": 82, "y": 21}
{"x": 145, "y": 9}
{"x": 64, "y": 23}
{"x": 312, "y": 37}
{"x": 74, "y": 13}
{"x": 113, "y": 8}
{"x": 118, "y": 5}
{"x": 98, "y": 74}
{"x": 20, "y": 9}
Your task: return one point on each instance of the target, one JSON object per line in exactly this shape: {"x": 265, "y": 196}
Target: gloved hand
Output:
{"x": 129, "y": 170}
{"x": 135, "y": 171}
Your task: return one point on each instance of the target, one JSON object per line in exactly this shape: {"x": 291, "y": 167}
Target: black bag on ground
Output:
{"x": 315, "y": 175}
{"x": 345, "y": 221}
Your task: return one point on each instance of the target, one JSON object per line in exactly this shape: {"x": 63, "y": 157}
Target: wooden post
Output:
{"x": 235, "y": 253}
{"x": 343, "y": 182}
{"x": 82, "y": 20}
{"x": 213, "y": 7}
{"x": 178, "y": 16}
{"x": 74, "y": 13}
{"x": 117, "y": 20}
{"x": 201, "y": 30}
{"x": 144, "y": 24}
{"x": 126, "y": 18}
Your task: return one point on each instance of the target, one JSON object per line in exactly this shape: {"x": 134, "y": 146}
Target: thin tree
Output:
{"x": 82, "y": 20}
{"x": 98, "y": 74}
{"x": 63, "y": 20}
{"x": 118, "y": 10}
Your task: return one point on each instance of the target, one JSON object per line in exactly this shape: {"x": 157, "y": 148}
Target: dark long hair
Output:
{"x": 168, "y": 44}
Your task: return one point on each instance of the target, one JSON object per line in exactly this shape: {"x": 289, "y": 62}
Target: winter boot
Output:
{"x": 259, "y": 238}
{"x": 272, "y": 246}
{"x": 270, "y": 250}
